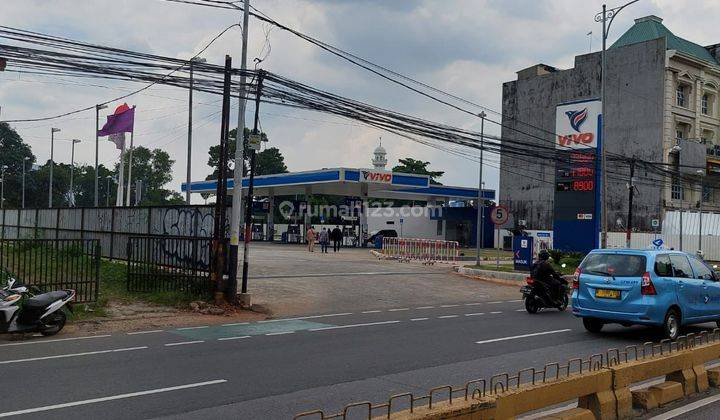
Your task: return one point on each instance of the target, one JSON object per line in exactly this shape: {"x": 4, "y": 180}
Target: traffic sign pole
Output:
{"x": 499, "y": 216}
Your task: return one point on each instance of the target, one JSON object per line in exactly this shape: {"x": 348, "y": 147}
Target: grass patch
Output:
{"x": 508, "y": 268}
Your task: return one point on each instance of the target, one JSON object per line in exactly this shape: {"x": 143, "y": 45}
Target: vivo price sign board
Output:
{"x": 377, "y": 177}
{"x": 576, "y": 125}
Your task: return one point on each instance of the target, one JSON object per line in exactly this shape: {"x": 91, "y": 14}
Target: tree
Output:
{"x": 154, "y": 169}
{"x": 13, "y": 151}
{"x": 412, "y": 166}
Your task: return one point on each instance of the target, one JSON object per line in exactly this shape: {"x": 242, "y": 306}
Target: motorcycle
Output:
{"x": 537, "y": 296}
{"x": 24, "y": 311}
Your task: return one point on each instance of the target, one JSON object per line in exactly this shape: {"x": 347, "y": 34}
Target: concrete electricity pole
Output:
{"x": 480, "y": 234}
{"x": 97, "y": 146}
{"x": 72, "y": 171}
{"x": 52, "y": 163}
{"x": 606, "y": 17}
{"x": 236, "y": 213}
{"x": 189, "y": 141}
{"x": 631, "y": 194}
{"x": 700, "y": 174}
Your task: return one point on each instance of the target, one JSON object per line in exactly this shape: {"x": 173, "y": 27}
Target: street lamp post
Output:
{"x": 72, "y": 171}
{"x": 2, "y": 187}
{"x": 189, "y": 141}
{"x": 606, "y": 17}
{"x": 480, "y": 232}
{"x": 25, "y": 159}
{"x": 52, "y": 164}
{"x": 97, "y": 146}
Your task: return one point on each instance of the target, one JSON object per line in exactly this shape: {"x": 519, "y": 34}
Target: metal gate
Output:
{"x": 52, "y": 264}
{"x": 170, "y": 264}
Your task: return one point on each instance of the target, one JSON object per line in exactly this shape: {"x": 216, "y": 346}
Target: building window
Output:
{"x": 678, "y": 192}
{"x": 704, "y": 104}
{"x": 706, "y": 193}
{"x": 680, "y": 95}
{"x": 679, "y": 134}
{"x": 439, "y": 227}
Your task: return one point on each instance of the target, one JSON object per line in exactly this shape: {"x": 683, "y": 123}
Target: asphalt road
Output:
{"x": 275, "y": 369}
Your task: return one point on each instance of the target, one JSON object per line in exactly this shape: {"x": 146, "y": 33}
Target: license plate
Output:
{"x": 607, "y": 294}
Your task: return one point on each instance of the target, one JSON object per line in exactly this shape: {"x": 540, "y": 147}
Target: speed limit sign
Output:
{"x": 499, "y": 215}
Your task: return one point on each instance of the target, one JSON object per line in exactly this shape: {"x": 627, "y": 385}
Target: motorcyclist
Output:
{"x": 544, "y": 272}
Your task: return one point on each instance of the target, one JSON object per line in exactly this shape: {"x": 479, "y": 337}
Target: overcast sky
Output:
{"x": 465, "y": 47}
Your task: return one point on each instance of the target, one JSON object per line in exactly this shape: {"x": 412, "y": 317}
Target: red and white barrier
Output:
{"x": 425, "y": 250}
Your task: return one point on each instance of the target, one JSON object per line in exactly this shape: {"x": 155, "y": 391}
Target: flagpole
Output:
{"x": 127, "y": 201}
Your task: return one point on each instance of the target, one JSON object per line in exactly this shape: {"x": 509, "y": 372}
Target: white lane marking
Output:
{"x": 419, "y": 319}
{"x": 447, "y": 316}
{"x": 496, "y": 312}
{"x": 281, "y": 333}
{"x": 520, "y": 310}
{"x": 687, "y": 408}
{"x": 337, "y": 327}
{"x": 495, "y": 302}
{"x": 515, "y": 337}
{"x": 305, "y": 317}
{"x": 370, "y": 312}
{"x": 55, "y": 340}
{"x": 449, "y": 306}
{"x": 545, "y": 413}
{"x": 193, "y": 328}
{"x": 62, "y": 356}
{"x": 475, "y": 314}
{"x": 109, "y": 398}
{"x": 234, "y": 324}
{"x": 474, "y": 304}
{"x": 233, "y": 338}
{"x": 514, "y": 301}
{"x": 398, "y": 309}
{"x": 182, "y": 343}
{"x": 144, "y": 332}
{"x": 425, "y": 307}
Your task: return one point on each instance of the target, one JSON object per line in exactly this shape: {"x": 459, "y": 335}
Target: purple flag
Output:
{"x": 122, "y": 121}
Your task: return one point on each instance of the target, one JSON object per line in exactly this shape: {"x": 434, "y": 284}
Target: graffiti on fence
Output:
{"x": 183, "y": 221}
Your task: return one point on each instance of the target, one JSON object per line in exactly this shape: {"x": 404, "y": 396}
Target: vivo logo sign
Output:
{"x": 576, "y": 125}
{"x": 376, "y": 176}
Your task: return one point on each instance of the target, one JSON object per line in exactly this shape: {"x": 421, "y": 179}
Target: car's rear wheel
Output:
{"x": 671, "y": 326}
{"x": 593, "y": 325}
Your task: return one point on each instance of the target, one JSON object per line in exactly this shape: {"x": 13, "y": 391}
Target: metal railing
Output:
{"x": 426, "y": 250}
{"x": 170, "y": 264}
{"x": 53, "y": 264}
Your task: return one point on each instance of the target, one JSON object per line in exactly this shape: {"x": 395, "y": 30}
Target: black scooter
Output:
{"x": 537, "y": 296}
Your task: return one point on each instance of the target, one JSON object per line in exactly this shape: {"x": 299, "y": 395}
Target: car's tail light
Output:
{"x": 529, "y": 280}
{"x": 576, "y": 278}
{"x": 646, "y": 286}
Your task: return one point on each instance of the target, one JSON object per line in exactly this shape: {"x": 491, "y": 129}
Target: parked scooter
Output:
{"x": 22, "y": 311}
{"x": 537, "y": 296}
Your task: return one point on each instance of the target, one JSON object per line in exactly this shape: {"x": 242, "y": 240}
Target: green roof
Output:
{"x": 651, "y": 27}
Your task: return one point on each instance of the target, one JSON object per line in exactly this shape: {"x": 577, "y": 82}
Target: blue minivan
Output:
{"x": 659, "y": 288}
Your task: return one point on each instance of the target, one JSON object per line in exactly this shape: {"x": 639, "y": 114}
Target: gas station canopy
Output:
{"x": 349, "y": 182}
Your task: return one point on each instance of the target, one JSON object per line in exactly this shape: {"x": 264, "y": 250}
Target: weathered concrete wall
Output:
{"x": 634, "y": 127}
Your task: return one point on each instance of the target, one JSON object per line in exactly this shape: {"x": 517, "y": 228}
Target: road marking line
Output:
{"x": 520, "y": 310}
{"x": 193, "y": 328}
{"x": 110, "y": 398}
{"x": 55, "y": 340}
{"x": 476, "y": 314}
{"x": 687, "y": 408}
{"x": 495, "y": 302}
{"x": 449, "y": 306}
{"x": 425, "y": 307}
{"x": 398, "y": 309}
{"x": 62, "y": 356}
{"x": 496, "y": 312}
{"x": 145, "y": 332}
{"x": 182, "y": 343}
{"x": 370, "y": 312}
{"x": 447, "y": 316}
{"x": 233, "y": 338}
{"x": 234, "y": 324}
{"x": 515, "y": 337}
{"x": 514, "y": 301}
{"x": 419, "y": 319}
{"x": 337, "y": 327}
{"x": 305, "y": 317}
{"x": 474, "y": 304}
{"x": 280, "y": 333}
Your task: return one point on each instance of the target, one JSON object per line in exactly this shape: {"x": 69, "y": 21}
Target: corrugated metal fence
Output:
{"x": 112, "y": 226}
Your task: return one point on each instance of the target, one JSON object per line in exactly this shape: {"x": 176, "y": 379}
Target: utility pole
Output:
{"x": 606, "y": 17}
{"x": 25, "y": 159}
{"x": 236, "y": 214}
{"x": 480, "y": 233}
{"x": 97, "y": 147}
{"x": 251, "y": 184}
{"x": 218, "y": 243}
{"x": 72, "y": 171}
{"x": 52, "y": 163}
{"x": 190, "y": 117}
{"x": 631, "y": 193}
{"x": 700, "y": 174}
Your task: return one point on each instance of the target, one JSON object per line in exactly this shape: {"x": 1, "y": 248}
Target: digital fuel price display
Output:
{"x": 575, "y": 185}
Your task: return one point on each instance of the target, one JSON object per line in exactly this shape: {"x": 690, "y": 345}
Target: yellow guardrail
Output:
{"x": 600, "y": 383}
